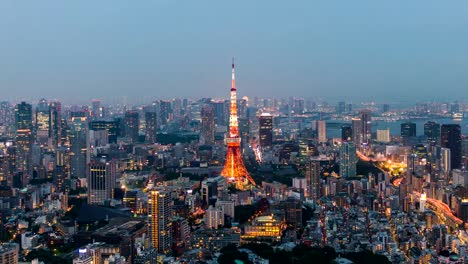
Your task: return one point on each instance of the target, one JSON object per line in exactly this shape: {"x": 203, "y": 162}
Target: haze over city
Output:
{"x": 358, "y": 50}
{"x": 233, "y": 132}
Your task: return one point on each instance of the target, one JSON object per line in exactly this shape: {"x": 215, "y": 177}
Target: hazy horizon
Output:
{"x": 354, "y": 51}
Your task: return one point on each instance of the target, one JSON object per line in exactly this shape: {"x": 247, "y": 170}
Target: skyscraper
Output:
{"x": 366, "y": 125}
{"x": 6, "y": 114}
{"x": 131, "y": 125}
{"x": 450, "y": 137}
{"x": 102, "y": 177}
{"x": 383, "y": 135}
{"x": 165, "y": 112}
{"x": 357, "y": 132}
{"x": 432, "y": 131}
{"x": 151, "y": 122}
{"x": 341, "y": 107}
{"x": 408, "y": 130}
{"x": 234, "y": 169}
{"x": 348, "y": 160}
{"x": 42, "y": 122}
{"x": 265, "y": 130}
{"x": 312, "y": 176}
{"x": 208, "y": 125}
{"x": 55, "y": 124}
{"x": 321, "y": 131}
{"x": 24, "y": 137}
{"x": 159, "y": 220}
{"x": 97, "y": 111}
{"x": 346, "y": 133}
{"x": 78, "y": 145}
{"x": 219, "y": 108}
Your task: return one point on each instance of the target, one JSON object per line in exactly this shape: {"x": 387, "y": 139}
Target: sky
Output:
{"x": 137, "y": 51}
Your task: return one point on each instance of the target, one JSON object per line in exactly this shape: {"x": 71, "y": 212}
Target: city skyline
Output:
{"x": 164, "y": 49}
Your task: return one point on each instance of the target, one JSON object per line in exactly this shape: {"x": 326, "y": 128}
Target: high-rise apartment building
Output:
{"x": 312, "y": 175}
{"x": 357, "y": 132}
{"x": 321, "y": 131}
{"x": 348, "y": 160}
{"x": 366, "y": 126}
{"x": 207, "y": 125}
{"x": 159, "y": 220}
{"x": 151, "y": 122}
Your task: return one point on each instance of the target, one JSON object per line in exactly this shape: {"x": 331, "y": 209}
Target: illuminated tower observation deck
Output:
{"x": 234, "y": 169}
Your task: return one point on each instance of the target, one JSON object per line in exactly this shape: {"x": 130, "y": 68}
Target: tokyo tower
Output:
{"x": 234, "y": 169}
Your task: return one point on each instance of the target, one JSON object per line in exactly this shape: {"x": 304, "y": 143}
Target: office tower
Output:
{"x": 207, "y": 125}
{"x": 385, "y": 108}
{"x": 61, "y": 170}
{"x": 151, "y": 121}
{"x": 292, "y": 212}
{"x": 298, "y": 105}
{"x": 445, "y": 160}
{"x": 346, "y": 133}
{"x": 432, "y": 131}
{"x": 214, "y": 217}
{"x": 321, "y": 131}
{"x": 130, "y": 200}
{"x": 102, "y": 177}
{"x": 366, "y": 125}
{"x": 265, "y": 130}
{"x": 357, "y": 132}
{"x": 112, "y": 128}
{"x": 78, "y": 145}
{"x": 219, "y": 108}
{"x": 234, "y": 169}
{"x": 243, "y": 104}
{"x": 55, "y": 116}
{"x": 159, "y": 220}
{"x": 312, "y": 176}
{"x": 177, "y": 108}
{"x": 131, "y": 125}
{"x": 450, "y": 137}
{"x": 455, "y": 108}
{"x": 408, "y": 130}
{"x": 9, "y": 253}
{"x": 24, "y": 138}
{"x": 97, "y": 110}
{"x": 244, "y": 130}
{"x": 165, "y": 112}
{"x": 341, "y": 107}
{"x": 348, "y": 160}
{"x": 383, "y": 135}
{"x": 6, "y": 114}
{"x": 42, "y": 122}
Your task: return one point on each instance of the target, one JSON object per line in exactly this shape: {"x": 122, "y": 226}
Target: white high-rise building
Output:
{"x": 383, "y": 135}
{"x": 445, "y": 157}
{"x": 214, "y": 217}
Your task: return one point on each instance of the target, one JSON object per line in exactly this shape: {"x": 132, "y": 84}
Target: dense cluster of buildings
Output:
{"x": 178, "y": 180}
